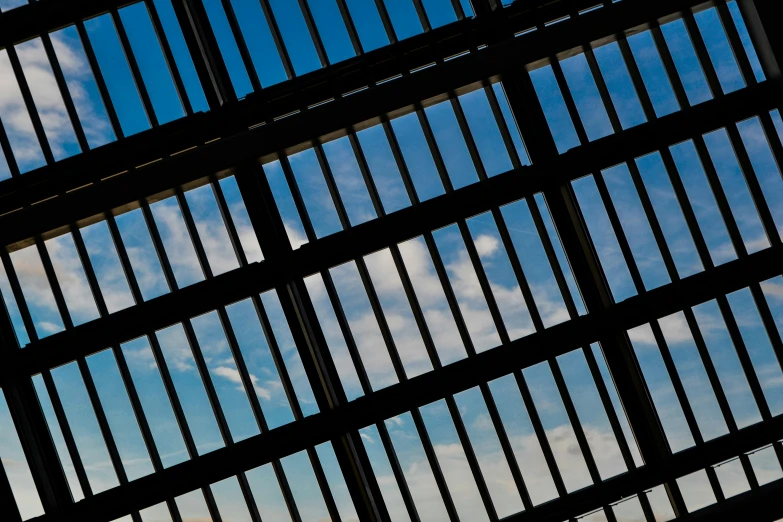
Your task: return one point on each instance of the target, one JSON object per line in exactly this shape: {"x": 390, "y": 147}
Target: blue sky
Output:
{"x": 526, "y": 246}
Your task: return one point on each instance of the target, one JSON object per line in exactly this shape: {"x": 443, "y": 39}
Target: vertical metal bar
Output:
{"x": 99, "y": 81}
{"x": 636, "y": 78}
{"x": 138, "y": 79}
{"x": 422, "y": 14}
{"x": 366, "y": 175}
{"x": 569, "y": 100}
{"x": 8, "y": 152}
{"x": 399, "y": 160}
{"x": 345, "y": 13}
{"x": 434, "y": 151}
{"x": 228, "y": 221}
{"x": 505, "y": 132}
{"x": 702, "y": 54}
{"x": 239, "y": 38}
{"x": 277, "y": 37}
{"x": 387, "y": 22}
{"x": 470, "y": 454}
{"x": 538, "y": 428}
{"x": 190, "y": 224}
{"x": 122, "y": 253}
{"x": 679, "y": 389}
{"x": 738, "y": 50}
{"x": 92, "y": 280}
{"x": 27, "y": 96}
{"x": 62, "y": 86}
{"x": 468, "y": 136}
{"x": 668, "y": 65}
{"x": 407, "y": 498}
{"x": 168, "y": 55}
{"x": 247, "y": 495}
{"x": 157, "y": 242}
{"x": 603, "y": 91}
{"x": 576, "y": 424}
{"x": 203, "y": 47}
{"x": 458, "y": 9}
{"x": 331, "y": 184}
{"x": 323, "y": 485}
{"x": 59, "y": 298}
{"x": 313, "y": 30}
{"x": 432, "y": 459}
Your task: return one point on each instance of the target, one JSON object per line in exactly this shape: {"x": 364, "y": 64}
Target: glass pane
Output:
{"x": 732, "y": 478}
{"x": 686, "y": 61}
{"x": 696, "y": 491}
{"x": 73, "y": 282}
{"x": 332, "y": 30}
{"x": 285, "y": 204}
{"x": 349, "y": 180}
{"x": 177, "y": 242}
{"x": 417, "y": 156}
{"x": 451, "y": 144}
{"x": 239, "y": 216}
{"x": 368, "y": 24}
{"x": 106, "y": 265}
{"x": 267, "y": 494}
{"x": 315, "y": 193}
{"x": 586, "y": 97}
{"x": 719, "y": 49}
{"x": 230, "y": 501}
{"x": 37, "y": 292}
{"x": 211, "y": 229}
{"x": 228, "y": 46}
{"x": 141, "y": 252}
{"x": 383, "y": 167}
{"x": 295, "y": 36}
{"x": 258, "y": 37}
{"x": 654, "y": 76}
{"x": 304, "y": 487}
{"x": 485, "y": 132}
{"x": 619, "y": 84}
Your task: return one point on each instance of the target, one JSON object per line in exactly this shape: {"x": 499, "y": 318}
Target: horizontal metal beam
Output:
{"x": 46, "y": 199}
{"x": 394, "y": 228}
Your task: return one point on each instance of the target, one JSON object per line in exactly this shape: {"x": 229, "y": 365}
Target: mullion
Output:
{"x": 8, "y": 152}
{"x": 345, "y": 14}
{"x": 138, "y": 80}
{"x": 362, "y": 485}
{"x": 647, "y": 509}
{"x": 7, "y": 499}
{"x": 62, "y": 86}
{"x": 171, "y": 504}
{"x": 422, "y": 14}
{"x": 502, "y": 126}
{"x": 468, "y": 136}
{"x": 576, "y": 424}
{"x": 540, "y": 432}
{"x": 277, "y": 37}
{"x": 554, "y": 262}
{"x": 712, "y": 476}
{"x": 345, "y": 329}
{"x": 636, "y": 78}
{"x": 744, "y": 357}
{"x": 314, "y": 35}
{"x": 209, "y": 386}
{"x": 386, "y": 20}
{"x": 669, "y": 67}
{"x": 141, "y": 418}
{"x": 59, "y": 298}
{"x": 437, "y": 472}
{"x": 244, "y": 53}
{"x": 203, "y": 49}
{"x": 720, "y": 196}
{"x": 416, "y": 309}
{"x": 296, "y": 194}
{"x": 176, "y": 405}
{"x": 484, "y": 283}
{"x": 652, "y": 219}
{"x": 361, "y": 160}
{"x": 247, "y": 495}
{"x": 92, "y": 280}
{"x": 16, "y": 289}
{"x": 149, "y": 219}
{"x": 323, "y": 485}
{"x": 190, "y": 224}
{"x": 458, "y": 9}
{"x": 375, "y": 304}
{"x": 70, "y": 442}
{"x": 675, "y": 498}
{"x": 505, "y": 444}
{"x": 331, "y": 184}
{"x": 738, "y": 50}
{"x": 772, "y": 136}
{"x": 225, "y": 213}
{"x": 603, "y": 91}
{"x": 768, "y": 320}
{"x": 285, "y": 488}
{"x": 679, "y": 389}
{"x": 749, "y": 173}
{"x": 433, "y": 147}
{"x": 277, "y": 356}
{"x": 709, "y": 367}
{"x": 103, "y": 423}
{"x": 407, "y": 498}
{"x": 448, "y": 290}
{"x": 617, "y": 227}
{"x": 702, "y": 54}
{"x": 212, "y": 506}
{"x": 127, "y": 269}
{"x": 569, "y": 100}
{"x": 169, "y": 56}
{"x": 606, "y": 402}
{"x": 687, "y": 209}
{"x": 473, "y": 463}
{"x": 111, "y": 112}
{"x": 400, "y": 160}
{"x": 32, "y": 111}
{"x": 244, "y": 374}
{"x": 610, "y": 516}
{"x": 516, "y": 266}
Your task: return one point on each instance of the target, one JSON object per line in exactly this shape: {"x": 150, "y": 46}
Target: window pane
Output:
{"x": 719, "y": 49}
{"x": 142, "y": 254}
{"x": 211, "y": 229}
{"x": 654, "y": 76}
{"x": 418, "y": 158}
{"x": 177, "y": 242}
{"x": 687, "y": 63}
{"x": 37, "y": 292}
{"x": 586, "y": 97}
{"x": 619, "y": 84}
{"x": 73, "y": 282}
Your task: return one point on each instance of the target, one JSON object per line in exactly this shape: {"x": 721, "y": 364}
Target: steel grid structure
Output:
{"x": 493, "y": 54}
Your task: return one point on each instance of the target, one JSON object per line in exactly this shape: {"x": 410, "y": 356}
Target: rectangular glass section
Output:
{"x": 619, "y": 84}
{"x": 230, "y": 501}
{"x": 485, "y": 132}
{"x": 228, "y": 45}
{"x": 451, "y": 144}
{"x": 296, "y": 36}
{"x": 584, "y": 91}
{"x": 37, "y": 292}
{"x": 696, "y": 491}
{"x": 404, "y": 18}
{"x": 732, "y": 478}
{"x": 348, "y": 178}
{"x": 653, "y": 72}
{"x": 332, "y": 30}
{"x": 142, "y": 254}
{"x": 383, "y": 168}
{"x": 211, "y": 229}
{"x": 305, "y": 487}
{"x": 719, "y": 49}
{"x": 177, "y": 242}
{"x": 254, "y": 25}
{"x": 689, "y": 70}
{"x": 315, "y": 193}
{"x": 266, "y": 491}
{"x": 381, "y": 468}
{"x": 368, "y": 24}
{"x": 241, "y": 219}
{"x": 285, "y": 204}
{"x": 72, "y": 280}
{"x": 417, "y": 156}
{"x": 107, "y": 267}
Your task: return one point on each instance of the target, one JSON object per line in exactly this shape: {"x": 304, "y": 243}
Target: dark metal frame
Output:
{"x": 37, "y": 205}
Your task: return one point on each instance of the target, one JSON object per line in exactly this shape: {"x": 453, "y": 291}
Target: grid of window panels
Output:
{"x": 461, "y": 365}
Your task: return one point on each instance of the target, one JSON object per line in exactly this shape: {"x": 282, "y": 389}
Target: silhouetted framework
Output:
{"x": 377, "y": 224}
